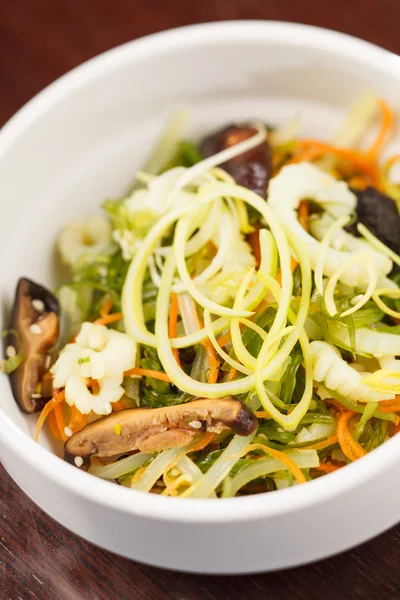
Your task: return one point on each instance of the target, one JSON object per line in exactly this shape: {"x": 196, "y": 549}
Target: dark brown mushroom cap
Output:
{"x": 251, "y": 169}
{"x": 155, "y": 429}
{"x": 37, "y": 324}
{"x": 379, "y": 213}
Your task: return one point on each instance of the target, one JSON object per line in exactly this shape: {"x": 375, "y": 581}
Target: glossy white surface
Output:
{"x": 80, "y": 141}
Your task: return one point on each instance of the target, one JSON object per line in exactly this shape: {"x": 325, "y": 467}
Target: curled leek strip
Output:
{"x": 183, "y": 231}
{"x": 204, "y": 487}
{"x": 269, "y": 258}
{"x": 227, "y": 237}
{"x": 323, "y": 249}
{"x": 390, "y": 293}
{"x": 231, "y": 361}
{"x": 330, "y": 288}
{"x": 132, "y": 305}
{"x": 240, "y": 349}
{"x": 291, "y": 420}
{"x": 377, "y": 244}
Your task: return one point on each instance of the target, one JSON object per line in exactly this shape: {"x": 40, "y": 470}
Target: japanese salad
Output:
{"x": 232, "y": 325}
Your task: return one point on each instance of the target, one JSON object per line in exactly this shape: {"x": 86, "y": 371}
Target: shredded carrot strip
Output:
{"x": 106, "y": 307}
{"x": 392, "y": 406}
{"x": 77, "y": 420}
{"x": 388, "y": 120}
{"x": 148, "y": 373}
{"x": 349, "y": 446}
{"x": 94, "y": 384}
{"x": 303, "y": 155}
{"x": 117, "y": 406}
{"x": 358, "y": 182}
{"x": 212, "y": 247}
{"x": 59, "y": 417}
{"x": 213, "y": 375}
{"x": 360, "y": 161}
{"x": 262, "y": 414}
{"x": 231, "y": 374}
{"x": 209, "y": 348}
{"x": 321, "y": 445}
{"x": 223, "y": 340}
{"x": 203, "y": 442}
{"x": 254, "y": 240}
{"x": 303, "y": 214}
{"x": 327, "y": 467}
{"x": 390, "y": 163}
{"x": 107, "y": 319}
{"x": 286, "y": 460}
{"x": 138, "y": 475}
{"x": 48, "y": 407}
{"x": 293, "y": 265}
{"x": 211, "y": 355}
{"x": 52, "y": 424}
{"x": 173, "y": 324}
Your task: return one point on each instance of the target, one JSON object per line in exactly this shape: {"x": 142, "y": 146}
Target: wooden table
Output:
{"x": 39, "y": 41}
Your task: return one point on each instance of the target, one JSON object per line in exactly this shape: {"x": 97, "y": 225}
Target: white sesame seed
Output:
{"x": 34, "y": 328}
{"x": 102, "y": 271}
{"x": 78, "y": 460}
{"x": 48, "y": 361}
{"x": 195, "y": 424}
{"x": 34, "y": 396}
{"x": 10, "y": 351}
{"x": 68, "y": 431}
{"x": 38, "y": 305}
{"x": 175, "y": 472}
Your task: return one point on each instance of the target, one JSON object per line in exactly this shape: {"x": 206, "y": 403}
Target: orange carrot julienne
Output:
{"x": 225, "y": 339}
{"x": 303, "y": 214}
{"x": 106, "y": 307}
{"x": 321, "y": 445}
{"x": 52, "y": 424}
{"x": 391, "y": 407}
{"x": 327, "y": 467}
{"x": 212, "y": 247}
{"x": 59, "y": 417}
{"x": 209, "y": 348}
{"x": 46, "y": 410}
{"x": 288, "y": 462}
{"x": 349, "y": 446}
{"x": 138, "y": 475}
{"x": 173, "y": 324}
{"x": 358, "y": 182}
{"x": 117, "y": 406}
{"x": 148, "y": 373}
{"x": 262, "y": 414}
{"x": 254, "y": 240}
{"x": 107, "y": 319}
{"x": 293, "y": 265}
{"x": 360, "y": 161}
{"x": 213, "y": 375}
{"x": 77, "y": 420}
{"x": 231, "y": 374}
{"x": 94, "y": 384}
{"x": 204, "y": 441}
{"x": 388, "y": 120}
{"x": 211, "y": 355}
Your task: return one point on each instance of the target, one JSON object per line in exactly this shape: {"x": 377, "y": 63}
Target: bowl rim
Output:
{"x": 153, "y": 506}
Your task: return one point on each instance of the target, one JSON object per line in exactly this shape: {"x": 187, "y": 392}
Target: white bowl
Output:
{"x": 80, "y": 141}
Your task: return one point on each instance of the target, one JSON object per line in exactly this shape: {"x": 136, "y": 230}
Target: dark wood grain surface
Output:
{"x": 39, "y": 41}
